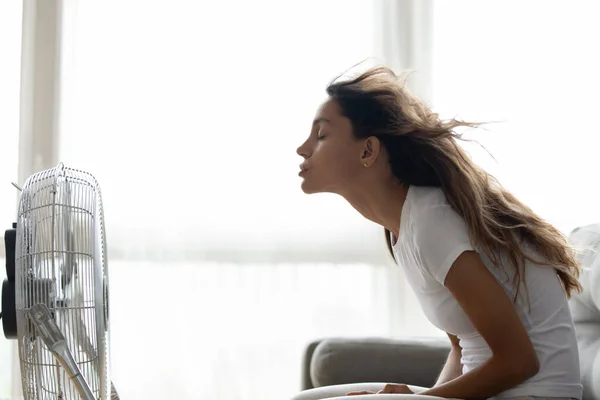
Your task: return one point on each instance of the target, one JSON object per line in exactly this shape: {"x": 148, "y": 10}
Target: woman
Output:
{"x": 485, "y": 268}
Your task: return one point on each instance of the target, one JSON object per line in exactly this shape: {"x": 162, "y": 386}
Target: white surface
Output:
{"x": 339, "y": 390}
{"x": 389, "y": 397}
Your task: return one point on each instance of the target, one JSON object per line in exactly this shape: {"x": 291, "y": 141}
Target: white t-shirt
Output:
{"x": 432, "y": 236}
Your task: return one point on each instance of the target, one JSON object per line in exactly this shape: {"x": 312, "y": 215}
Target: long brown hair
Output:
{"x": 423, "y": 150}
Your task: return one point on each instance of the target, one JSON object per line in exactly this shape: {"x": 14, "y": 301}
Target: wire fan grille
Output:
{"x": 60, "y": 262}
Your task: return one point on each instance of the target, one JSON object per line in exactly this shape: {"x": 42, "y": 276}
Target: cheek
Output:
{"x": 340, "y": 169}
{"x": 335, "y": 162}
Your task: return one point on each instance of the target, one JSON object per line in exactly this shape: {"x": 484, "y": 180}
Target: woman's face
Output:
{"x": 332, "y": 155}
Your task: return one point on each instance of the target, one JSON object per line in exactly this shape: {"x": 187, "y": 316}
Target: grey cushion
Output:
{"x": 415, "y": 362}
{"x": 585, "y": 308}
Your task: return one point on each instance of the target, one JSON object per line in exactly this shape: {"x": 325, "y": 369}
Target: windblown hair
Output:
{"x": 424, "y": 150}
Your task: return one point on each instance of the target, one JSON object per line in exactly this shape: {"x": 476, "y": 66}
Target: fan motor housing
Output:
{"x": 10, "y": 242}
{"x": 9, "y": 311}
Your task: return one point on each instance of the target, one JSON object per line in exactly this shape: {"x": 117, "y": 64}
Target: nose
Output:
{"x": 302, "y": 151}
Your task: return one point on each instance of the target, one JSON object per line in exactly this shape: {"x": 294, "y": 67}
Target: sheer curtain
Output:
{"x": 10, "y": 51}
{"x": 222, "y": 270}
{"x": 532, "y": 66}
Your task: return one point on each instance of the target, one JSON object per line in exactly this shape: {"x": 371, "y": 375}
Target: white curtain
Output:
{"x": 404, "y": 40}
{"x": 222, "y": 270}
{"x": 532, "y": 66}
{"x": 10, "y": 47}
{"x": 10, "y": 52}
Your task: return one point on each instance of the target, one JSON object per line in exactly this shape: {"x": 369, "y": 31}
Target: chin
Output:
{"x": 313, "y": 189}
{"x": 308, "y": 189}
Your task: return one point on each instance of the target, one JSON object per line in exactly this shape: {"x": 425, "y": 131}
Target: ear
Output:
{"x": 370, "y": 151}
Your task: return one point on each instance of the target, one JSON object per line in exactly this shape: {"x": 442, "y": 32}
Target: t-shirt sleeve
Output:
{"x": 440, "y": 236}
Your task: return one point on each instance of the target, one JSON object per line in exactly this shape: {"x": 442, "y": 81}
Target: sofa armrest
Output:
{"x": 309, "y": 351}
{"x": 335, "y": 361}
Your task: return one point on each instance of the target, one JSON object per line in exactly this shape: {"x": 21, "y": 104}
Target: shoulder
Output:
{"x": 424, "y": 207}
{"x": 429, "y": 218}
{"x": 432, "y": 215}
{"x": 424, "y": 198}
{"x": 427, "y": 205}
{"x": 436, "y": 234}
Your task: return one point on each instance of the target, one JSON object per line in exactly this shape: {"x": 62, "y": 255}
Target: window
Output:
{"x": 533, "y": 66}
{"x": 203, "y": 117}
{"x": 189, "y": 114}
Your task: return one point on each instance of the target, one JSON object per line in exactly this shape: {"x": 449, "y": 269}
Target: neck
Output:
{"x": 380, "y": 202}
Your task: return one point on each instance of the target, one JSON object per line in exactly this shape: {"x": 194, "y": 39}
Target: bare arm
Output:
{"x": 453, "y": 368}
{"x": 493, "y": 314}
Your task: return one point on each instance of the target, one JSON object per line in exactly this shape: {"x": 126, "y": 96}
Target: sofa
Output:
{"x": 333, "y": 366}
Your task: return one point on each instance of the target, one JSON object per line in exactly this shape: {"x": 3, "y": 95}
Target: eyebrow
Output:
{"x": 321, "y": 119}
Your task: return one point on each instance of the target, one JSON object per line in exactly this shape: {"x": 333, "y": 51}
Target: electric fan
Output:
{"x": 55, "y": 296}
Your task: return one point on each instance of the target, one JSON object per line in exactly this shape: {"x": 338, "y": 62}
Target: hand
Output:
{"x": 388, "y": 388}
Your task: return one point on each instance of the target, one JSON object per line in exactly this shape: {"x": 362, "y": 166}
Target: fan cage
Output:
{"x": 60, "y": 262}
